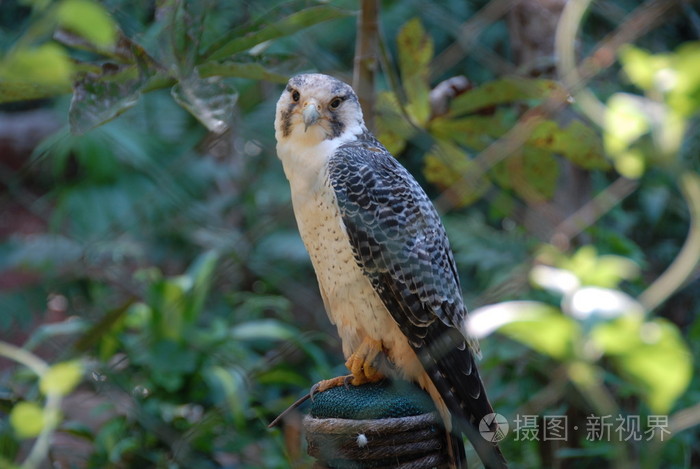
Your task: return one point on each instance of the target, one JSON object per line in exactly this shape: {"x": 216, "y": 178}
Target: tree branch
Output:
{"x": 366, "y": 58}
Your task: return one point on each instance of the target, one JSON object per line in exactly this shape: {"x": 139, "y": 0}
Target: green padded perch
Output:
{"x": 390, "y": 424}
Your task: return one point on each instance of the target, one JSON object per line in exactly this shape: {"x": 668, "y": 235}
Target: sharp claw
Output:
{"x": 348, "y": 381}
{"x": 313, "y": 391}
{"x": 279, "y": 418}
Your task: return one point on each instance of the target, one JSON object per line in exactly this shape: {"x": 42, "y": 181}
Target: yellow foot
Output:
{"x": 361, "y": 365}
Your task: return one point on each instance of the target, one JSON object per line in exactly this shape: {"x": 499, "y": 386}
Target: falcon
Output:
{"x": 382, "y": 259}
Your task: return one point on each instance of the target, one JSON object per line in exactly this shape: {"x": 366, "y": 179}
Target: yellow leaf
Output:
{"x": 651, "y": 355}
{"x": 27, "y": 419}
{"x": 544, "y": 329}
{"x": 625, "y": 122}
{"x": 577, "y": 142}
{"x": 476, "y": 132}
{"x": 88, "y": 19}
{"x": 604, "y": 271}
{"x": 503, "y": 91}
{"x": 46, "y": 65}
{"x": 450, "y": 168}
{"x": 684, "y": 94}
{"x": 415, "y": 53}
{"x": 533, "y": 173}
{"x": 61, "y": 378}
{"x": 392, "y": 127}
{"x": 638, "y": 66}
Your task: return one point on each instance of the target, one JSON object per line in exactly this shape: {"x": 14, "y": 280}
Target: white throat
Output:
{"x": 305, "y": 154}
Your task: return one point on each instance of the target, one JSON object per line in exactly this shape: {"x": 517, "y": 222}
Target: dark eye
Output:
{"x": 335, "y": 103}
{"x": 295, "y": 95}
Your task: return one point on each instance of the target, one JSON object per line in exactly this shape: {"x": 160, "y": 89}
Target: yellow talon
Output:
{"x": 361, "y": 366}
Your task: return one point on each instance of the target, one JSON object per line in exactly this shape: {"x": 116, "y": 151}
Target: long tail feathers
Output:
{"x": 452, "y": 369}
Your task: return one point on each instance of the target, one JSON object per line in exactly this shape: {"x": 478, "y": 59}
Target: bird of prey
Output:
{"x": 383, "y": 262}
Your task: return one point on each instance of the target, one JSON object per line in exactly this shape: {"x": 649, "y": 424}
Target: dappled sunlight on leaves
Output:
{"x": 539, "y": 326}
{"x": 673, "y": 74}
{"x": 626, "y": 122}
{"x": 650, "y": 353}
{"x": 588, "y": 302}
{"x": 589, "y": 267}
{"x": 594, "y": 322}
{"x": 154, "y": 257}
{"x": 672, "y": 87}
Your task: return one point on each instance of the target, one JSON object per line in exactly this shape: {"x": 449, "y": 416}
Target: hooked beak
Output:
{"x": 310, "y": 115}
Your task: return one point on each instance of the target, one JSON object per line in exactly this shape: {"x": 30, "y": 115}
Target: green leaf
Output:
{"x": 393, "y": 129}
{"x": 540, "y": 172}
{"x": 674, "y": 74}
{"x": 503, "y": 91}
{"x": 268, "y": 329}
{"x": 544, "y": 329}
{"x": 125, "y": 448}
{"x": 289, "y": 25}
{"x": 48, "y": 331}
{"x": 201, "y": 272}
{"x": 25, "y": 91}
{"x": 651, "y": 354}
{"x": 533, "y": 173}
{"x": 684, "y": 95}
{"x": 618, "y": 336}
{"x": 99, "y": 98}
{"x": 639, "y": 66}
{"x": 577, "y": 142}
{"x": 171, "y": 357}
{"x": 603, "y": 271}
{"x": 475, "y": 132}
{"x": 61, "y": 378}
{"x": 210, "y": 100}
{"x": 453, "y": 171}
{"x": 625, "y": 123}
{"x": 34, "y": 71}
{"x": 88, "y": 19}
{"x": 415, "y": 54}
{"x": 138, "y": 316}
{"x": 168, "y": 300}
{"x": 287, "y": 377}
{"x": 27, "y": 419}
{"x": 229, "y": 387}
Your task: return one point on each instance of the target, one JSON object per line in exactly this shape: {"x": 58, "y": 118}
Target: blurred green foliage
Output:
{"x": 187, "y": 311}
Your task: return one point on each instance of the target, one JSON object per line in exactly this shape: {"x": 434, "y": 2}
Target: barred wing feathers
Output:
{"x": 400, "y": 244}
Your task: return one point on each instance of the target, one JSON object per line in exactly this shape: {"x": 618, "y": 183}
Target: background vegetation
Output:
{"x": 158, "y": 308}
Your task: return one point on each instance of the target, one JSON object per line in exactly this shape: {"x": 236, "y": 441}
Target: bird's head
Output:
{"x": 314, "y": 108}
